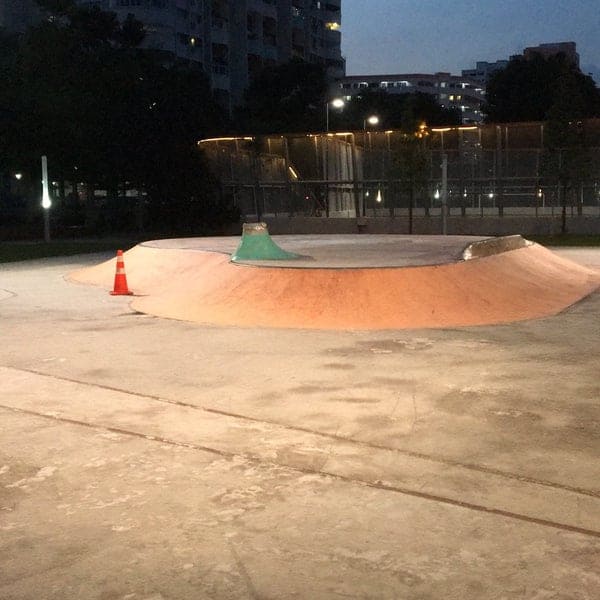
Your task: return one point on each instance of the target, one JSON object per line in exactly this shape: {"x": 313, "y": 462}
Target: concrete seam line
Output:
{"x": 375, "y": 485}
{"x": 419, "y": 455}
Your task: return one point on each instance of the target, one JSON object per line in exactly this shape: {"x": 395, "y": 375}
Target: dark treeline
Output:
{"x": 540, "y": 89}
{"x": 108, "y": 115}
{"x": 292, "y": 98}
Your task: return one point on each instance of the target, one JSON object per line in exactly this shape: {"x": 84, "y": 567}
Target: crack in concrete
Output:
{"x": 333, "y": 436}
{"x": 307, "y": 471}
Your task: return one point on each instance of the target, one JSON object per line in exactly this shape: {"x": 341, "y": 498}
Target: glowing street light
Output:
{"x": 18, "y": 176}
{"x": 46, "y": 202}
{"x": 372, "y": 120}
{"x": 423, "y": 131}
{"x": 336, "y": 103}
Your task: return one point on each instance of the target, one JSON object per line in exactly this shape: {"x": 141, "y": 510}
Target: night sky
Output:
{"x": 412, "y": 36}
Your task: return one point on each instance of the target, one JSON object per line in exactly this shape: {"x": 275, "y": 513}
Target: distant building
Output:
{"x": 484, "y": 70}
{"x": 17, "y": 15}
{"x": 450, "y": 91}
{"x": 232, "y": 39}
{"x": 569, "y": 49}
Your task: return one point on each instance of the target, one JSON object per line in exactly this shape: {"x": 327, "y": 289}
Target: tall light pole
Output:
{"x": 444, "y": 208}
{"x": 372, "y": 120}
{"x": 336, "y": 103}
{"x": 339, "y": 104}
{"x": 46, "y": 202}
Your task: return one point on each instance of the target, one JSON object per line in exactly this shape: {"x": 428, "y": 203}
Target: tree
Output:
{"x": 395, "y": 111}
{"x": 286, "y": 98}
{"x": 410, "y": 165}
{"x": 567, "y": 158}
{"x": 8, "y": 97}
{"x": 552, "y": 90}
{"x": 104, "y": 111}
{"x": 527, "y": 89}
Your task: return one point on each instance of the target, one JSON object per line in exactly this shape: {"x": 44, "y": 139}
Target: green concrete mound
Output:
{"x": 256, "y": 244}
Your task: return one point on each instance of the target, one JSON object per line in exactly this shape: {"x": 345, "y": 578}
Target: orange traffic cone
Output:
{"x": 120, "y": 288}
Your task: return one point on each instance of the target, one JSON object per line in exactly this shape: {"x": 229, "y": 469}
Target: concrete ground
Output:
{"x": 149, "y": 459}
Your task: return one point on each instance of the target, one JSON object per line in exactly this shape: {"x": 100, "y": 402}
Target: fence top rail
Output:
{"x": 504, "y": 181}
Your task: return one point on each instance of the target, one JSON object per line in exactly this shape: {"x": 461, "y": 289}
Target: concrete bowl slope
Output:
{"x": 195, "y": 281}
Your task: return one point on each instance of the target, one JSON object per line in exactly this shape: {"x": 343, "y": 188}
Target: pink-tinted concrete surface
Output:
{"x": 200, "y": 285}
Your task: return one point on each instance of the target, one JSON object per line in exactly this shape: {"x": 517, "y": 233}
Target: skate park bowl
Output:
{"x": 347, "y": 282}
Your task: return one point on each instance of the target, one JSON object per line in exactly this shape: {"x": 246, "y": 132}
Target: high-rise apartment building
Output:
{"x": 230, "y": 39}
{"x": 17, "y": 15}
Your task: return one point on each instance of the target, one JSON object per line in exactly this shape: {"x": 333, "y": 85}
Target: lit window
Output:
{"x": 332, "y": 26}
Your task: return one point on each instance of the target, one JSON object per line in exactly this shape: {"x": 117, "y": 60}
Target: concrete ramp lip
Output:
{"x": 491, "y": 246}
{"x": 388, "y": 282}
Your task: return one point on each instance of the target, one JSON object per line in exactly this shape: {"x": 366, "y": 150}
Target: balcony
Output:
{"x": 254, "y": 46}
{"x": 220, "y": 69}
{"x": 270, "y": 40}
{"x": 270, "y": 52}
{"x": 333, "y": 7}
{"x": 219, "y": 23}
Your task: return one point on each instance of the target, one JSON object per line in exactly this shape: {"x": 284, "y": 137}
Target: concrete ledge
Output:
{"x": 492, "y": 246}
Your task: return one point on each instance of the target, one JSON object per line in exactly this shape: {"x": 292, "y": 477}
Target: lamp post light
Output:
{"x": 336, "y": 103}
{"x": 373, "y": 120}
{"x": 46, "y": 202}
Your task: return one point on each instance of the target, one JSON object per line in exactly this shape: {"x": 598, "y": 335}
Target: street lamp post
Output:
{"x": 336, "y": 103}
{"x": 444, "y": 208}
{"x": 372, "y": 120}
{"x": 46, "y": 202}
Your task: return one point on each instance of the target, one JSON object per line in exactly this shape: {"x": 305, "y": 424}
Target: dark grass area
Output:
{"x": 17, "y": 251}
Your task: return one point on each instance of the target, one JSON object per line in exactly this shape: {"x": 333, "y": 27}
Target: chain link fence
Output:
{"x": 498, "y": 170}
